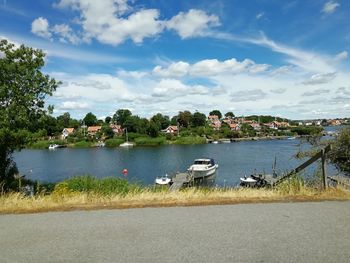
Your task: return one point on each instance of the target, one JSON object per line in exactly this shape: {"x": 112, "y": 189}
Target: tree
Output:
{"x": 90, "y": 119}
{"x": 198, "y": 119}
{"x": 23, "y": 89}
{"x": 216, "y": 112}
{"x": 121, "y": 115}
{"x": 184, "y": 118}
{"x": 162, "y": 120}
{"x": 229, "y": 114}
{"x": 108, "y": 119}
{"x": 153, "y": 129}
{"x": 63, "y": 120}
{"x": 340, "y": 155}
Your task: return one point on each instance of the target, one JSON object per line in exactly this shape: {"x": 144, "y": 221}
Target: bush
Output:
{"x": 309, "y": 130}
{"x": 44, "y": 144}
{"x": 104, "y": 186}
{"x": 113, "y": 142}
{"x": 147, "y": 141}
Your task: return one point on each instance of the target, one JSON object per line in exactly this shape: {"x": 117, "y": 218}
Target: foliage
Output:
{"x": 113, "y": 142}
{"x": 340, "y": 155}
{"x": 44, "y": 144}
{"x": 216, "y": 112}
{"x": 90, "y": 119}
{"x": 161, "y": 120}
{"x": 198, "y": 119}
{"x": 103, "y": 186}
{"x": 147, "y": 141}
{"x": 83, "y": 144}
{"x": 121, "y": 116}
{"x": 107, "y": 131}
{"x": 23, "y": 89}
{"x": 184, "y": 118}
{"x": 108, "y": 119}
{"x": 229, "y": 114}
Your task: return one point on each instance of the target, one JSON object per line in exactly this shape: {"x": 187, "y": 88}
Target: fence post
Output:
{"x": 324, "y": 171}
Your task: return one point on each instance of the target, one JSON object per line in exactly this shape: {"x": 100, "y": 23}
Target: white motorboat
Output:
{"x": 248, "y": 180}
{"x": 53, "y": 146}
{"x": 164, "y": 180}
{"x": 202, "y": 168}
{"x": 215, "y": 142}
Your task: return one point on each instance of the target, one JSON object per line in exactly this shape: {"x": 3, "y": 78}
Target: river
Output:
{"x": 145, "y": 163}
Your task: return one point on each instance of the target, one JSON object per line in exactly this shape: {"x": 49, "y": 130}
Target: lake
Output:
{"x": 145, "y": 163}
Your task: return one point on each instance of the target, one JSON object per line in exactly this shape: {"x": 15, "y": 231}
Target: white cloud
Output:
{"x": 320, "y": 78}
{"x": 278, "y": 91}
{"x": 73, "y": 105}
{"x": 132, "y": 74}
{"x": 330, "y": 6}
{"x": 66, "y": 34}
{"x": 341, "y": 56}
{"x": 172, "y": 88}
{"x": 248, "y": 95}
{"x": 193, "y": 23}
{"x": 209, "y": 67}
{"x": 260, "y": 15}
{"x": 316, "y": 92}
{"x": 40, "y": 27}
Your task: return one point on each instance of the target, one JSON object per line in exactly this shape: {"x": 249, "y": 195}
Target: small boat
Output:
{"x": 164, "y": 180}
{"x": 53, "y": 146}
{"x": 215, "y": 142}
{"x": 202, "y": 168}
{"x": 291, "y": 138}
{"x": 247, "y": 180}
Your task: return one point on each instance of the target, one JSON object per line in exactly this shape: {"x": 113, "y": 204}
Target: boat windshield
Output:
{"x": 202, "y": 162}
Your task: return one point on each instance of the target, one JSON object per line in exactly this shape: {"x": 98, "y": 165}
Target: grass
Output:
{"x": 113, "y": 142}
{"x": 44, "y": 144}
{"x": 83, "y": 144}
{"x": 79, "y": 194}
{"x": 148, "y": 141}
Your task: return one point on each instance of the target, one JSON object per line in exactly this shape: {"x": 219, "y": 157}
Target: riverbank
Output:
{"x": 58, "y": 201}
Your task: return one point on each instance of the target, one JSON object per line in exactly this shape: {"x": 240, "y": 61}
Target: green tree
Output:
{"x": 184, "y": 118}
{"x": 153, "y": 129}
{"x": 198, "y": 119}
{"x": 162, "y": 120}
{"x": 229, "y": 114}
{"x": 63, "y": 120}
{"x": 23, "y": 89}
{"x": 216, "y": 112}
{"x": 340, "y": 155}
{"x": 108, "y": 119}
{"x": 90, "y": 119}
{"x": 121, "y": 115}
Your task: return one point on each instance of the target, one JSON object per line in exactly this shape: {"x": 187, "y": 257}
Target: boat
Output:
{"x": 126, "y": 143}
{"x": 163, "y": 180}
{"x": 291, "y": 138}
{"x": 248, "y": 181}
{"x": 215, "y": 142}
{"x": 53, "y": 146}
{"x": 203, "y": 168}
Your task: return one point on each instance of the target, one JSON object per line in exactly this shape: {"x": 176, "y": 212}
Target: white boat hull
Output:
{"x": 200, "y": 172}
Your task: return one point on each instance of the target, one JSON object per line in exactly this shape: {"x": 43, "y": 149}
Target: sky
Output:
{"x": 264, "y": 57}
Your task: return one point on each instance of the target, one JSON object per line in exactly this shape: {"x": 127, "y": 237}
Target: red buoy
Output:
{"x": 125, "y": 172}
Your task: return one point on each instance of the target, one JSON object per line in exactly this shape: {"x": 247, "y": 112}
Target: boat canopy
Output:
{"x": 204, "y": 161}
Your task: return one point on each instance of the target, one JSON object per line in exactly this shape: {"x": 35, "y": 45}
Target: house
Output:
{"x": 214, "y": 122}
{"x": 334, "y": 122}
{"x": 256, "y": 126}
{"x": 66, "y": 132}
{"x": 171, "y": 130}
{"x": 272, "y": 125}
{"x": 117, "y": 129}
{"x": 92, "y": 130}
{"x": 235, "y": 127}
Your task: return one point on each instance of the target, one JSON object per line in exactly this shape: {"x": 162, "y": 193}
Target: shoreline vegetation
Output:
{"x": 148, "y": 141}
{"x": 90, "y": 193}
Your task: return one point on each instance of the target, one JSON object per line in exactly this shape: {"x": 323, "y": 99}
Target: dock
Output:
{"x": 180, "y": 180}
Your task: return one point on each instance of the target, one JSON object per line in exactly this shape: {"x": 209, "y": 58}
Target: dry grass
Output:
{"x": 66, "y": 200}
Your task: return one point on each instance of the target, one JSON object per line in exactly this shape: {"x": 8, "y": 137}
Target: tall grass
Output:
{"x": 113, "y": 142}
{"x": 148, "y": 141}
{"x": 190, "y": 140}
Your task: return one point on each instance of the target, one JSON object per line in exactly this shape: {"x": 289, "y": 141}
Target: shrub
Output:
{"x": 83, "y": 144}
{"x": 190, "y": 140}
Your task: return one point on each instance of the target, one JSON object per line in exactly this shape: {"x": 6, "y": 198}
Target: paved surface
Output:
{"x": 285, "y": 232}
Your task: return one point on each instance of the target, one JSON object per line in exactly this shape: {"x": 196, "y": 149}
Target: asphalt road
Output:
{"x": 281, "y": 232}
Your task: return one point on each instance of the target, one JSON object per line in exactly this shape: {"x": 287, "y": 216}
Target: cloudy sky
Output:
{"x": 285, "y": 58}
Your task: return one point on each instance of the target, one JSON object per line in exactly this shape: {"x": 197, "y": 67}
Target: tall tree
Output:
{"x": 121, "y": 115}
{"x": 90, "y": 119}
{"x": 229, "y": 114}
{"x": 23, "y": 89}
{"x": 63, "y": 120}
{"x": 216, "y": 112}
{"x": 108, "y": 119}
{"x": 184, "y": 118}
{"x": 198, "y": 119}
{"x": 162, "y": 120}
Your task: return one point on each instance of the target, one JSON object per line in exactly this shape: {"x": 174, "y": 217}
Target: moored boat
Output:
{"x": 53, "y": 146}
{"x": 163, "y": 180}
{"x": 203, "y": 168}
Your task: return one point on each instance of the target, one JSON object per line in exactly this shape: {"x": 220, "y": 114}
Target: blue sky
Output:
{"x": 285, "y": 58}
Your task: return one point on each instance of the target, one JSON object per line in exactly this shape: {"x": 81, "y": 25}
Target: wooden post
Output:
{"x": 324, "y": 171}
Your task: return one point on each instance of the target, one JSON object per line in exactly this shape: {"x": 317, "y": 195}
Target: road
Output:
{"x": 280, "y": 232}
